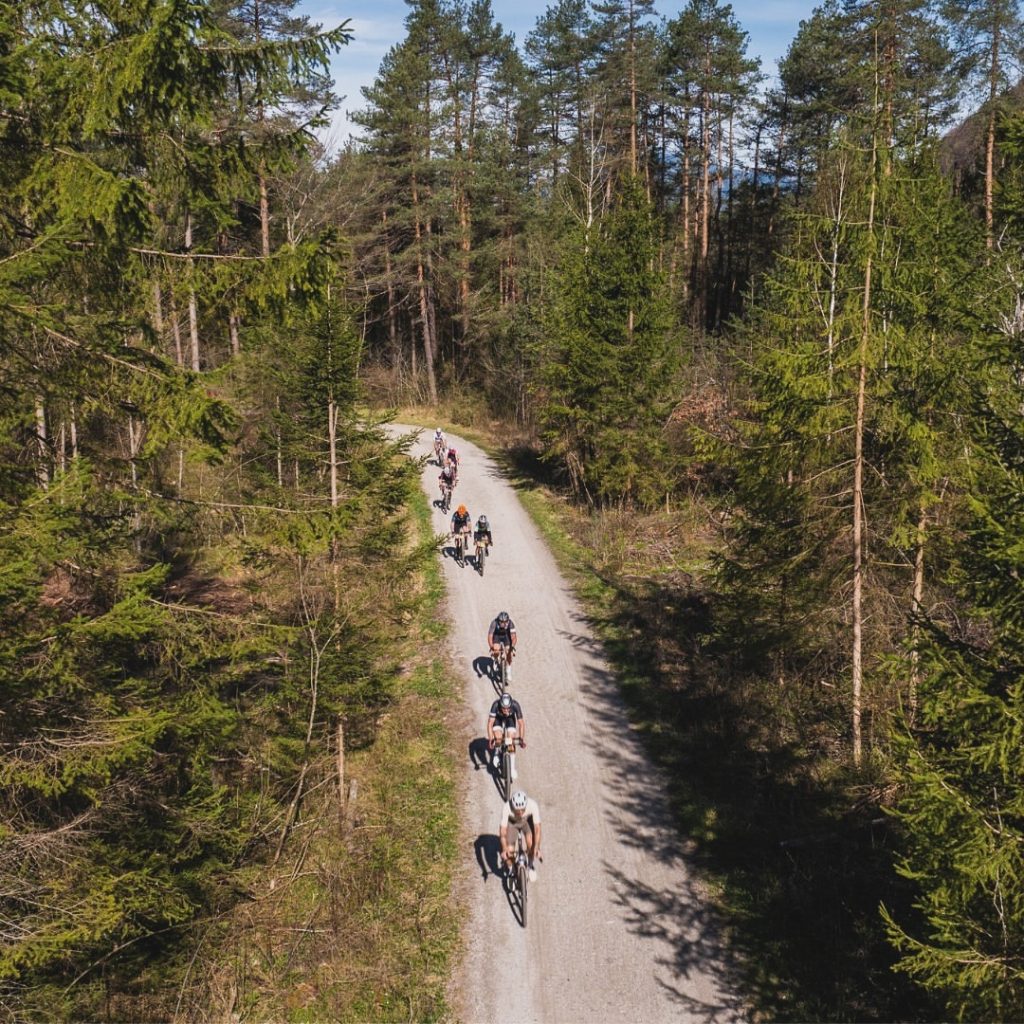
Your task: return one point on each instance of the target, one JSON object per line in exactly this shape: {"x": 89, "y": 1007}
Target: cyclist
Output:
{"x": 521, "y": 813}
{"x": 453, "y": 459}
{"x": 483, "y": 532}
{"x": 447, "y": 479}
{"x": 505, "y": 721}
{"x": 462, "y": 523}
{"x": 502, "y": 631}
{"x": 440, "y": 444}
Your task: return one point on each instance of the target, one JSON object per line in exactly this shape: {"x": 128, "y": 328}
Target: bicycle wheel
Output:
{"x": 503, "y": 672}
{"x": 506, "y": 773}
{"x": 481, "y": 553}
{"x": 522, "y": 879}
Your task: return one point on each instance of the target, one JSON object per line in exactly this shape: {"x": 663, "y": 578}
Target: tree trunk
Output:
{"x": 193, "y": 312}
{"x": 42, "y": 448}
{"x": 858, "y": 464}
{"x": 632, "y": 88}
{"x": 916, "y": 608}
{"x": 264, "y": 211}
{"x": 179, "y": 352}
{"x": 396, "y": 354}
{"x": 421, "y": 283}
{"x": 990, "y": 138}
{"x": 158, "y": 312}
{"x": 705, "y": 204}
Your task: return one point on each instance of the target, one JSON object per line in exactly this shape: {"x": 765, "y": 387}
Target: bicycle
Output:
{"x": 480, "y": 555}
{"x": 460, "y": 547}
{"x": 439, "y": 448}
{"x": 504, "y": 672}
{"x": 508, "y": 750}
{"x": 446, "y": 498}
{"x": 519, "y": 875}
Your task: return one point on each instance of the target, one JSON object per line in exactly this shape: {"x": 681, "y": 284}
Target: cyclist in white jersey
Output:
{"x": 522, "y": 814}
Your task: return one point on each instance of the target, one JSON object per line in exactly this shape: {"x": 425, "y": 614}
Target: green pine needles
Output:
{"x": 611, "y": 358}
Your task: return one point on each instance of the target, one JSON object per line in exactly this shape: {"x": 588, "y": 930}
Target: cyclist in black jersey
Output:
{"x": 502, "y": 630}
{"x": 504, "y": 718}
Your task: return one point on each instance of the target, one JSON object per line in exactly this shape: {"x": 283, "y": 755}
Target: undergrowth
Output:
{"x": 356, "y": 923}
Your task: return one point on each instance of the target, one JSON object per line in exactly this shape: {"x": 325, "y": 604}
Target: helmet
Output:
{"x": 503, "y": 617}
{"x": 518, "y": 800}
{"x": 461, "y": 510}
{"x": 437, "y": 430}
{"x": 452, "y": 451}
{"x": 506, "y": 701}
{"x": 482, "y": 521}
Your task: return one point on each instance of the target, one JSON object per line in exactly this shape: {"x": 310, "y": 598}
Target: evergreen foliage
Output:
{"x": 612, "y": 359}
{"x": 960, "y": 763}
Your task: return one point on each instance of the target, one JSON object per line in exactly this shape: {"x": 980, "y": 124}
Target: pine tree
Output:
{"x": 611, "y": 369}
{"x": 962, "y": 802}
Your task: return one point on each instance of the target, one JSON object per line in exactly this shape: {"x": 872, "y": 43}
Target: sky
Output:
{"x": 379, "y": 24}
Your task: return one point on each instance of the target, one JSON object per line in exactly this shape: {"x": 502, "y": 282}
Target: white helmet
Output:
{"x": 518, "y": 800}
{"x": 437, "y": 431}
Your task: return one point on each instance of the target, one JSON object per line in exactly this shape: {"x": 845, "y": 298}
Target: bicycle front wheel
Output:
{"x": 506, "y": 774}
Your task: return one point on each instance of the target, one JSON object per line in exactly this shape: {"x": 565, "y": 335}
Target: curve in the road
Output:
{"x": 618, "y": 929}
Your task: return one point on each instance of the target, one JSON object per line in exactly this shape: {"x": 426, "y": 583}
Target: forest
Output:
{"x": 757, "y": 341}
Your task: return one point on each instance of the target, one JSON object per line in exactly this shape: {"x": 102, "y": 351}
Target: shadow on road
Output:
{"x": 487, "y": 849}
{"x": 736, "y": 796}
{"x": 484, "y": 667}
{"x": 479, "y": 754}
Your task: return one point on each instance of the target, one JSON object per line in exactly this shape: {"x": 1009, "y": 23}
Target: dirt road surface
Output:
{"x": 617, "y": 928}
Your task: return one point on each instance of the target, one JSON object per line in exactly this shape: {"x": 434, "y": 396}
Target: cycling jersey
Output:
{"x": 531, "y": 816}
{"x": 506, "y": 718}
{"x": 448, "y": 474}
{"x": 459, "y": 522}
{"x": 502, "y": 634}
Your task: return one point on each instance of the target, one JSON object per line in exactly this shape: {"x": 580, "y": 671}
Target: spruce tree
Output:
{"x": 612, "y": 359}
{"x": 961, "y": 805}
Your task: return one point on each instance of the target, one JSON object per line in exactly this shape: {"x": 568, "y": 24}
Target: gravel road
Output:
{"x": 617, "y": 929}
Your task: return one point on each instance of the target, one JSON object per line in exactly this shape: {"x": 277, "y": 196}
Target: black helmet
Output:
{"x": 506, "y": 701}
{"x": 503, "y": 617}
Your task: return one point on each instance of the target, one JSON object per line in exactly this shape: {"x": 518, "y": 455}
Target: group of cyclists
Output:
{"x": 505, "y": 721}
{"x": 462, "y": 527}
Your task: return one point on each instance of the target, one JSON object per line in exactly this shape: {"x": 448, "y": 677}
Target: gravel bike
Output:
{"x": 519, "y": 876}
{"x": 508, "y": 750}
{"x": 446, "y": 497}
{"x": 503, "y": 676}
{"x": 439, "y": 451}
{"x": 461, "y": 545}
{"x": 480, "y": 555}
